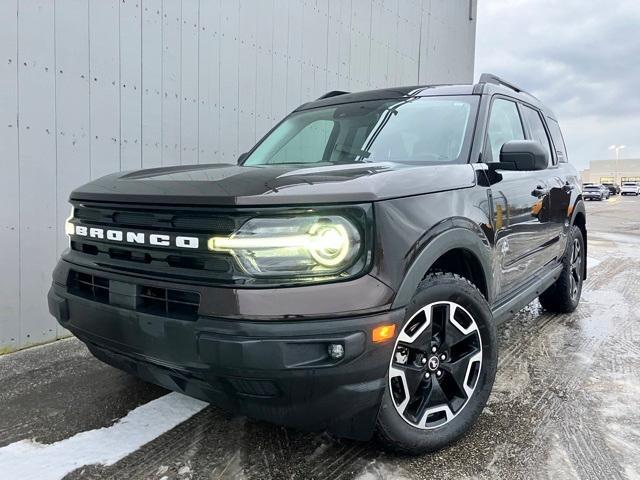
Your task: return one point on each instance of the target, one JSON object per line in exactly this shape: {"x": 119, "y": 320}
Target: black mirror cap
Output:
{"x": 242, "y": 157}
{"x": 522, "y": 155}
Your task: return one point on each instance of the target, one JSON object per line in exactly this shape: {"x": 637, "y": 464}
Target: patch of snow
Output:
{"x": 592, "y": 262}
{"x": 559, "y": 463}
{"x": 31, "y": 460}
{"x": 377, "y": 470}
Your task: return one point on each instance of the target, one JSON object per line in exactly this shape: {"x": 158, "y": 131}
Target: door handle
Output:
{"x": 540, "y": 191}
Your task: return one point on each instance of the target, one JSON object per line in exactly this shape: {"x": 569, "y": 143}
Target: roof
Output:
{"x": 489, "y": 84}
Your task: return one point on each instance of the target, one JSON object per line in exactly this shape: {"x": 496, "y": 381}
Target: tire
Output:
{"x": 422, "y": 424}
{"x": 564, "y": 295}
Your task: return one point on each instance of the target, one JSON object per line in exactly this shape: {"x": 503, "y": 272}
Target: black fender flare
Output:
{"x": 578, "y": 208}
{"x": 454, "y": 238}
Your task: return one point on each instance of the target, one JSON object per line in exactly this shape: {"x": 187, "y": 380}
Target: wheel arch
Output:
{"x": 457, "y": 250}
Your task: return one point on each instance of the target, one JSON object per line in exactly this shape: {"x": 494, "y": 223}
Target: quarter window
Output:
{"x": 558, "y": 141}
{"x": 538, "y": 132}
{"x": 504, "y": 125}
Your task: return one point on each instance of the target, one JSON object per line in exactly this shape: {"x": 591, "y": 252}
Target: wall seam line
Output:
{"x": 19, "y": 126}
{"x": 55, "y": 129}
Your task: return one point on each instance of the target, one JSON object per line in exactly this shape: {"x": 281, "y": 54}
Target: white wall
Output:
{"x": 88, "y": 87}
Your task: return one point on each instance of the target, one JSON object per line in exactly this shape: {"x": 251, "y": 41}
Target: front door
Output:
{"x": 519, "y": 198}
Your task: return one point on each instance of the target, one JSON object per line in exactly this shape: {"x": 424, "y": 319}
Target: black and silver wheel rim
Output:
{"x": 576, "y": 268}
{"x": 436, "y": 364}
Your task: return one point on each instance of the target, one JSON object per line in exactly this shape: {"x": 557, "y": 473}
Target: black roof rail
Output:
{"x": 496, "y": 80}
{"x": 332, "y": 93}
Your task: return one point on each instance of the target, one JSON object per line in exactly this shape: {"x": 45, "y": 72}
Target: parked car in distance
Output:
{"x": 630, "y": 188}
{"x": 348, "y": 274}
{"x": 614, "y": 189}
{"x": 593, "y": 192}
{"x": 605, "y": 191}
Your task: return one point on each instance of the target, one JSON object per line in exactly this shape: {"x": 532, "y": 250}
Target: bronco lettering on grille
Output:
{"x": 141, "y": 238}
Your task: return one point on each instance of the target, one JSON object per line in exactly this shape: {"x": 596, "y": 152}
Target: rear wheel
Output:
{"x": 442, "y": 367}
{"x": 564, "y": 295}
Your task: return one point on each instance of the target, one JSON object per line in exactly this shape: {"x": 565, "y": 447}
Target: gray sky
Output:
{"x": 580, "y": 57}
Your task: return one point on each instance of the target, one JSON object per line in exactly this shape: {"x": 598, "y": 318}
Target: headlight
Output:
{"x": 309, "y": 245}
{"x": 69, "y": 228}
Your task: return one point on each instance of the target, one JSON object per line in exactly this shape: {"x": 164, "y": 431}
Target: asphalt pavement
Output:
{"x": 564, "y": 405}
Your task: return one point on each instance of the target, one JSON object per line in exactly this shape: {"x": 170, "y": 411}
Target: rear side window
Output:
{"x": 538, "y": 132}
{"x": 504, "y": 125}
{"x": 558, "y": 141}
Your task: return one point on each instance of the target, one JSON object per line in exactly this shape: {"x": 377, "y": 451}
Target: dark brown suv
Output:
{"x": 348, "y": 274}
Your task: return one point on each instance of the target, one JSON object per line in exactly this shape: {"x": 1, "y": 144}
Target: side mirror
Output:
{"x": 241, "y": 157}
{"x": 522, "y": 155}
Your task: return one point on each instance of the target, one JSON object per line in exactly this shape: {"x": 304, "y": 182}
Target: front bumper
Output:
{"x": 278, "y": 371}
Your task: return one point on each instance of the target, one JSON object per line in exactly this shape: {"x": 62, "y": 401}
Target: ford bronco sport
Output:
{"x": 348, "y": 274}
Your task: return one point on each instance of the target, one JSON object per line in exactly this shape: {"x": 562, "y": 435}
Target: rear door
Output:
{"x": 555, "y": 202}
{"x": 518, "y": 198}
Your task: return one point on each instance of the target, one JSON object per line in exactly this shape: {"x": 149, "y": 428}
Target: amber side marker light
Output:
{"x": 383, "y": 333}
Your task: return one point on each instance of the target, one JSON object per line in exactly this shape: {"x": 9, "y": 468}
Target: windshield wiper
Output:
{"x": 356, "y": 152}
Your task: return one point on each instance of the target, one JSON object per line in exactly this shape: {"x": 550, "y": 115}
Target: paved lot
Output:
{"x": 565, "y": 404}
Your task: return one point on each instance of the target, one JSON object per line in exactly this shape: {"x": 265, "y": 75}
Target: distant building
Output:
{"x": 612, "y": 171}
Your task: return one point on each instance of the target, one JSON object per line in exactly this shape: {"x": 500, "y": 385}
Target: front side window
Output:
{"x": 424, "y": 130}
{"x": 538, "y": 132}
{"x": 504, "y": 125}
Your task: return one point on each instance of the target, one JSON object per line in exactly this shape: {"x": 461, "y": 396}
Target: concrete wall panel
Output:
{"x": 130, "y": 84}
{"x": 104, "y": 75}
{"x": 9, "y": 179}
{"x": 37, "y": 71}
{"x": 151, "y": 84}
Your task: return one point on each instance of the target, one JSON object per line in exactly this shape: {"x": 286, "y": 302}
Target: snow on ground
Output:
{"x": 31, "y": 460}
{"x": 592, "y": 262}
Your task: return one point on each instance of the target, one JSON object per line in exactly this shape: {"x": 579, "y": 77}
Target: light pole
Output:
{"x": 617, "y": 149}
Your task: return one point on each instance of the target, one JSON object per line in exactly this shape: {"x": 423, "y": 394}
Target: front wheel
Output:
{"x": 442, "y": 367}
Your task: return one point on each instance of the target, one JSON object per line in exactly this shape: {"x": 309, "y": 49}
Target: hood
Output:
{"x": 228, "y": 185}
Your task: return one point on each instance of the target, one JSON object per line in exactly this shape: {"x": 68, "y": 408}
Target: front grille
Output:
{"x": 159, "y": 219}
{"x": 179, "y": 264}
{"x": 159, "y": 301}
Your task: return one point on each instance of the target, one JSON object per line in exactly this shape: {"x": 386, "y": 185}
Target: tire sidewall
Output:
{"x": 446, "y": 287}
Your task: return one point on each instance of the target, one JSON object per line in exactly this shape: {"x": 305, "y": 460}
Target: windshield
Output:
{"x": 629, "y": 184}
{"x": 431, "y": 130}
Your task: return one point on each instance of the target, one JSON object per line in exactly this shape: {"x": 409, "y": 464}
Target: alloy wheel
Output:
{"x": 436, "y": 364}
{"x": 576, "y": 268}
